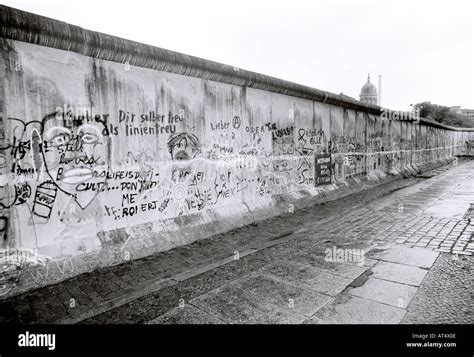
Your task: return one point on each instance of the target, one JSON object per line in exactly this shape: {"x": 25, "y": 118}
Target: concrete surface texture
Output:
{"x": 105, "y": 160}
{"x": 341, "y": 262}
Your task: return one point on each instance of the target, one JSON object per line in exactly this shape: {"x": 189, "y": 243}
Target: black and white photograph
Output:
{"x": 280, "y": 166}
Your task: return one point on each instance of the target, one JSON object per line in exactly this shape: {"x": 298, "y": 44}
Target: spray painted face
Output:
{"x": 76, "y": 155}
{"x": 183, "y": 146}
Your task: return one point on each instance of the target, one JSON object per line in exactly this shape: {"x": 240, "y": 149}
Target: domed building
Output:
{"x": 368, "y": 93}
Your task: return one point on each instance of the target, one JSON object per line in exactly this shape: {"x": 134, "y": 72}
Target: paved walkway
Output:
{"x": 372, "y": 257}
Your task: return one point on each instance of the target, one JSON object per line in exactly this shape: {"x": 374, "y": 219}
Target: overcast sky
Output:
{"x": 423, "y": 49}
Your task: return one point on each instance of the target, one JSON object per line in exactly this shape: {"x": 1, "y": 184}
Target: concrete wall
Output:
{"x": 103, "y": 161}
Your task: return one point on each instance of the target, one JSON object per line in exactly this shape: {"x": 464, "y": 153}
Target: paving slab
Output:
{"x": 232, "y": 305}
{"x": 386, "y": 292}
{"x": 418, "y": 257}
{"x": 308, "y": 277}
{"x": 399, "y": 273}
{"x": 187, "y": 314}
{"x": 347, "y": 309}
{"x": 280, "y": 294}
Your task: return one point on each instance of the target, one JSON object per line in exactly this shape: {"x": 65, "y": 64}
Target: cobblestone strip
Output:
{"x": 440, "y": 234}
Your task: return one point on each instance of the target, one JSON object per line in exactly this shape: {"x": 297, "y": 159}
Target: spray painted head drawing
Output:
{"x": 76, "y": 152}
{"x": 183, "y": 146}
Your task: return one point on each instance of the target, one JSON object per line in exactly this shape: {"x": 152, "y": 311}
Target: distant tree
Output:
{"x": 443, "y": 115}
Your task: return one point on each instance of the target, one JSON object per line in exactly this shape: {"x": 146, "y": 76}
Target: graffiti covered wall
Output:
{"x": 95, "y": 155}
